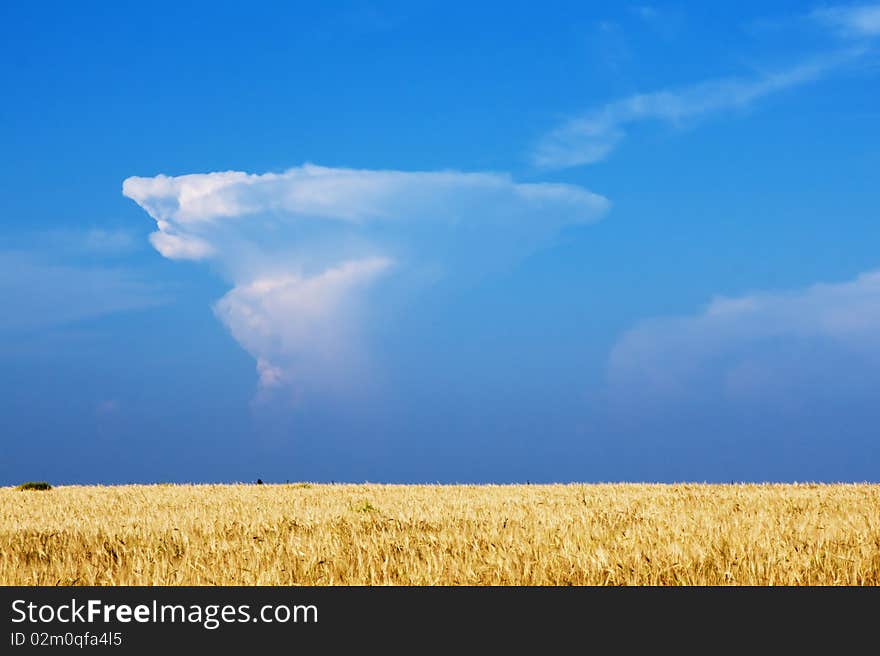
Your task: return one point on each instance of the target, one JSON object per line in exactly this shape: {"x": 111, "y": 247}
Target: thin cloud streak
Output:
{"x": 591, "y": 138}
{"x": 38, "y": 294}
{"x": 854, "y": 21}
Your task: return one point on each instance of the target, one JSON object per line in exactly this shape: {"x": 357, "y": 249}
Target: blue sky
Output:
{"x": 415, "y": 242}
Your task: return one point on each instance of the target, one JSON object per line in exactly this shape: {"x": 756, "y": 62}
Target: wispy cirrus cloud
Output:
{"x": 591, "y": 137}
{"x": 304, "y": 247}
{"x": 665, "y": 21}
{"x": 850, "y": 21}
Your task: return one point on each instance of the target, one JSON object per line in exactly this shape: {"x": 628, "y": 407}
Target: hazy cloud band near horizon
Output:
{"x": 764, "y": 345}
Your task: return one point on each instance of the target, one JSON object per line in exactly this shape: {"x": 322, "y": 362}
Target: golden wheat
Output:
{"x": 471, "y": 535}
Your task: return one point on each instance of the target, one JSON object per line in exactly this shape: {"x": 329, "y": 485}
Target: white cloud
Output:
{"x": 302, "y": 323}
{"x": 852, "y": 21}
{"x": 590, "y": 138}
{"x": 752, "y": 345}
{"x": 302, "y": 247}
{"x": 346, "y": 195}
{"x": 180, "y": 247}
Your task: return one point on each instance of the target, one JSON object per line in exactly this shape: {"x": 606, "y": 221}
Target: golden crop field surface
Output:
{"x": 301, "y": 534}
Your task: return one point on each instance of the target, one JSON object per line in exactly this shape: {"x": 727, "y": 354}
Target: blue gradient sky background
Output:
{"x": 719, "y": 320}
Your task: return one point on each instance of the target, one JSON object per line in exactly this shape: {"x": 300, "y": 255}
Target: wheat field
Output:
{"x": 302, "y": 534}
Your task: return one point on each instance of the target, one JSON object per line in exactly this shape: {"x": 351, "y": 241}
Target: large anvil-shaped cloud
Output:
{"x": 303, "y": 247}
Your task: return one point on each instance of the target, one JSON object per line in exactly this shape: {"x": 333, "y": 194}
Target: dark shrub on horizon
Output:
{"x": 34, "y": 485}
